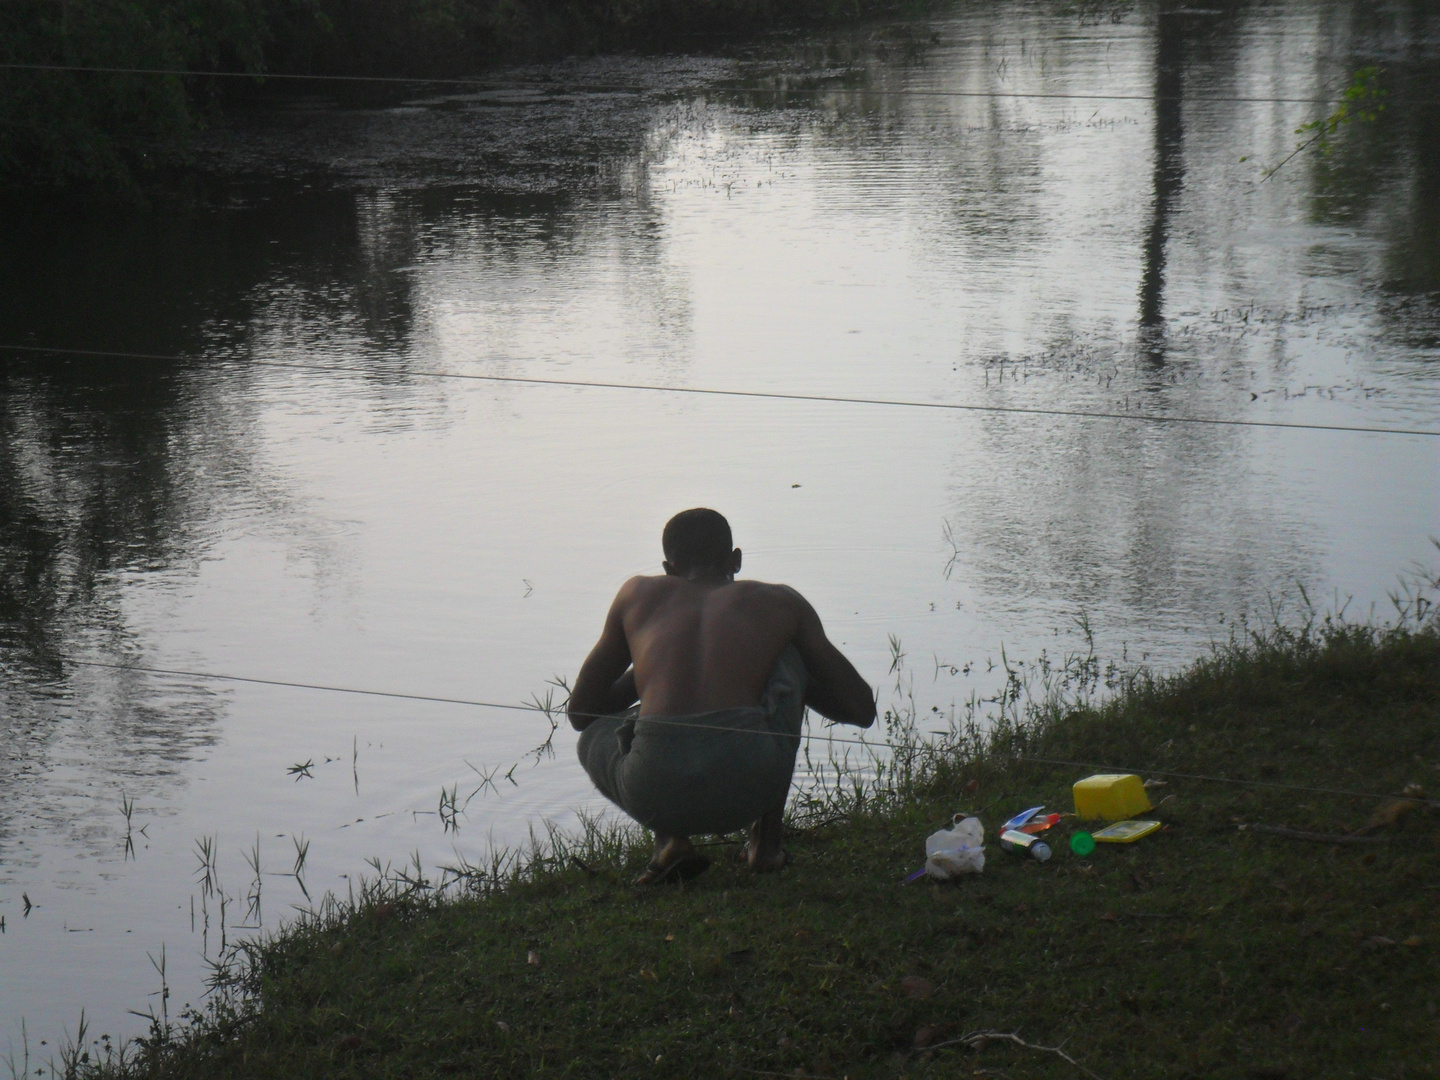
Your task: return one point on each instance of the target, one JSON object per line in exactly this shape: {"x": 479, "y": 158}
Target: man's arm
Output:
{"x": 836, "y": 689}
{"x": 606, "y": 683}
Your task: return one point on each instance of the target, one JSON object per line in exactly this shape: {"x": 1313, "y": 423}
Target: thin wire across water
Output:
{"x": 768, "y": 395}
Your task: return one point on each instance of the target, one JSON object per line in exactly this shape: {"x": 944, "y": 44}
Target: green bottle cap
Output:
{"x": 1082, "y": 844}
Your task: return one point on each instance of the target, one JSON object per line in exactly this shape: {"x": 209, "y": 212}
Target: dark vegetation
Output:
{"x": 1211, "y": 949}
{"x": 107, "y": 131}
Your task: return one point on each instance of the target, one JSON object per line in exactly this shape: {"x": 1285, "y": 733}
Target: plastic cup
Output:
{"x": 1082, "y": 844}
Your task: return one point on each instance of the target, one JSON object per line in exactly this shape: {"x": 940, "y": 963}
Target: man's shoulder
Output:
{"x": 642, "y": 585}
{"x": 757, "y": 584}
{"x": 769, "y": 592}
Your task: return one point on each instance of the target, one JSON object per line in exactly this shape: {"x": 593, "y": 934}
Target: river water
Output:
{"x": 1023, "y": 206}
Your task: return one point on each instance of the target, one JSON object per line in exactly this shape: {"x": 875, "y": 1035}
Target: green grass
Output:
{"x": 1202, "y": 951}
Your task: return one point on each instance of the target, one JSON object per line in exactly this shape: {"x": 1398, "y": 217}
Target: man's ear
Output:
{"x": 670, "y": 571}
{"x": 735, "y": 557}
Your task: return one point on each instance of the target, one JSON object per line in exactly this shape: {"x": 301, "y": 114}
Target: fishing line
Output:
{"x": 712, "y": 728}
{"x": 490, "y": 85}
{"x": 549, "y": 713}
{"x": 306, "y": 686}
{"x": 768, "y": 395}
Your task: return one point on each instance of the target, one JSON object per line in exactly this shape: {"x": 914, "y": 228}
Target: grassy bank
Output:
{"x": 1206, "y": 950}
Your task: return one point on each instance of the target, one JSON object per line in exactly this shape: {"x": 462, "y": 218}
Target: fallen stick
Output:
{"x": 1319, "y": 838}
{"x": 976, "y": 1040}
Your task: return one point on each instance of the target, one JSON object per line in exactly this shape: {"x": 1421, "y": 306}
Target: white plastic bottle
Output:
{"x": 1015, "y": 840}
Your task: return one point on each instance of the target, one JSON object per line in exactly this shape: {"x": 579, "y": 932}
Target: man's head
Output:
{"x": 698, "y": 543}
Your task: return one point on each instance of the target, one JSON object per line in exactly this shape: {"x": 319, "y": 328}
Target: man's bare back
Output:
{"x": 706, "y": 642}
{"x": 697, "y": 642}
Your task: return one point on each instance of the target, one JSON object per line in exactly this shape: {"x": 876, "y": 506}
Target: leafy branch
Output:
{"x": 1360, "y": 101}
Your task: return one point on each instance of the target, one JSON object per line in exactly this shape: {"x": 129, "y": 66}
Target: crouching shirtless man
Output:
{"x": 722, "y": 671}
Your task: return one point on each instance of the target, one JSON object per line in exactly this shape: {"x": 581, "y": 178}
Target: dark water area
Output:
{"x": 1011, "y": 206}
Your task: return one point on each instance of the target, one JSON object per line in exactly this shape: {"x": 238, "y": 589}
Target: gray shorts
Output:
{"x": 704, "y": 774}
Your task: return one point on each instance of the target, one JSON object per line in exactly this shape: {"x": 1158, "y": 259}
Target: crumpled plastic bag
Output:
{"x": 957, "y": 850}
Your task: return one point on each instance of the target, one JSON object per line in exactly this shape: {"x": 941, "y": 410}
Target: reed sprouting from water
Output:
{"x": 448, "y": 810}
{"x": 127, "y": 810}
{"x": 206, "y": 852}
{"x": 253, "y": 913}
{"x": 302, "y": 852}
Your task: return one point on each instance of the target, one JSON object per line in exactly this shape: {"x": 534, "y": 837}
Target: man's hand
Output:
{"x": 606, "y": 683}
{"x": 835, "y": 689}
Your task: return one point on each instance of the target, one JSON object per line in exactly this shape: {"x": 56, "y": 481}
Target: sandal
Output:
{"x": 689, "y": 865}
{"x": 743, "y": 857}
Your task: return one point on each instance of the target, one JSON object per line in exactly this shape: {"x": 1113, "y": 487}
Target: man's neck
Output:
{"x": 709, "y": 577}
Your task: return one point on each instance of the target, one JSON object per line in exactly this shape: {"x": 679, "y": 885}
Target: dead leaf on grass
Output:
{"x": 1390, "y": 815}
{"x": 916, "y": 987}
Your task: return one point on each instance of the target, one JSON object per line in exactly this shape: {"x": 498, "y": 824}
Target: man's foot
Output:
{"x": 765, "y": 851}
{"x": 762, "y": 861}
{"x": 675, "y": 860}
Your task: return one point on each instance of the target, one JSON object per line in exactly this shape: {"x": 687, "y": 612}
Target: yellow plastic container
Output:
{"x": 1112, "y": 796}
{"x": 1125, "y": 832}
